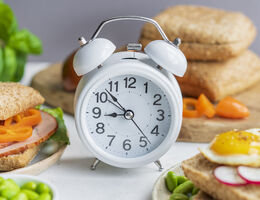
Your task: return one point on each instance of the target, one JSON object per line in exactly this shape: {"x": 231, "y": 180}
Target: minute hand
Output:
{"x": 140, "y": 130}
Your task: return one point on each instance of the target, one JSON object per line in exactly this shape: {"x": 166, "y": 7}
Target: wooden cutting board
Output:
{"x": 48, "y": 83}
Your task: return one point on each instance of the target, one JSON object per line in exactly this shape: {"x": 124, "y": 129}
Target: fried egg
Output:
{"x": 235, "y": 148}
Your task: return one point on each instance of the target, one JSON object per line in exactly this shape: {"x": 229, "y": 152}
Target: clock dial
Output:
{"x": 128, "y": 116}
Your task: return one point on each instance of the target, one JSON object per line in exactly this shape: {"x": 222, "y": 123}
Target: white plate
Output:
{"x": 40, "y": 163}
{"x": 160, "y": 191}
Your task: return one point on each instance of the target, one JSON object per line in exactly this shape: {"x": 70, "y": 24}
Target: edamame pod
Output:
{"x": 29, "y": 185}
{"x": 42, "y": 188}
{"x": 1, "y": 62}
{"x": 9, "y": 64}
{"x": 3, "y": 198}
{"x": 31, "y": 194}
{"x": 171, "y": 181}
{"x": 19, "y": 196}
{"x": 9, "y": 193}
{"x": 184, "y": 188}
{"x": 21, "y": 59}
{"x": 178, "y": 196}
{"x": 181, "y": 179}
{"x": 44, "y": 196}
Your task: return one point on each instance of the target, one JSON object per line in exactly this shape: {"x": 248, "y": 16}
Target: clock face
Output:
{"x": 128, "y": 116}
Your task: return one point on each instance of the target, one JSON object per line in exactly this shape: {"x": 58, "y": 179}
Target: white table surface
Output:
{"x": 75, "y": 180}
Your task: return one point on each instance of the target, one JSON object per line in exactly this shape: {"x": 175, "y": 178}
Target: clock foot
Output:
{"x": 95, "y": 164}
{"x": 158, "y": 164}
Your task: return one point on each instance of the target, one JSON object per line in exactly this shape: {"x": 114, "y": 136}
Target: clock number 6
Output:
{"x": 100, "y": 128}
{"x": 126, "y": 145}
{"x": 161, "y": 115}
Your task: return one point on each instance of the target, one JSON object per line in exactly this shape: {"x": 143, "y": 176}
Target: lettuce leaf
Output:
{"x": 61, "y": 134}
{"x": 8, "y": 22}
{"x": 25, "y": 41}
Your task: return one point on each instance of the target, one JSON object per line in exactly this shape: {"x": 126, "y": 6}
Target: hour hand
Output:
{"x": 114, "y": 114}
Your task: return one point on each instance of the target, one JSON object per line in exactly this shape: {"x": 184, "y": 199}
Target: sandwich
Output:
{"x": 24, "y": 126}
{"x": 229, "y": 168}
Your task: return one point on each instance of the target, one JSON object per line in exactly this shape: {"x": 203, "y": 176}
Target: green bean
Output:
{"x": 171, "y": 181}
{"x": 42, "y": 188}
{"x": 30, "y": 194}
{"x": 178, "y": 196}
{"x": 44, "y": 196}
{"x": 184, "y": 188}
{"x": 181, "y": 179}
{"x": 29, "y": 185}
{"x": 195, "y": 191}
{"x": 20, "y": 196}
{"x": 9, "y": 193}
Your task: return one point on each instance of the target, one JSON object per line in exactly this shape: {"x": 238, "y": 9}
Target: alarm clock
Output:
{"x": 128, "y": 105}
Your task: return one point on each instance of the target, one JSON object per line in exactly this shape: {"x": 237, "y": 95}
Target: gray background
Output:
{"x": 60, "y": 22}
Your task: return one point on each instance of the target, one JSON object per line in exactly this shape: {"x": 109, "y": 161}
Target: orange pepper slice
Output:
{"x": 232, "y": 108}
{"x": 205, "y": 107}
{"x": 15, "y": 135}
{"x": 190, "y": 102}
{"x": 30, "y": 117}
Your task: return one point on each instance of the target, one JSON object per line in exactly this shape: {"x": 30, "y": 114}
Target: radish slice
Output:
{"x": 229, "y": 176}
{"x": 249, "y": 174}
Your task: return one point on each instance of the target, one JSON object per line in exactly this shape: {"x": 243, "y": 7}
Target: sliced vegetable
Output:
{"x": 205, "y": 107}
{"x": 189, "y": 108}
{"x": 229, "y": 176}
{"x": 249, "y": 174}
{"x": 15, "y": 135}
{"x": 30, "y": 117}
{"x": 231, "y": 108}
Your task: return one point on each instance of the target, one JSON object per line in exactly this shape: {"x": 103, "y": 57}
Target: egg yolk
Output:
{"x": 236, "y": 142}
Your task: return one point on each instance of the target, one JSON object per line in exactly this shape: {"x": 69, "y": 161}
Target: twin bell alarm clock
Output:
{"x": 128, "y": 105}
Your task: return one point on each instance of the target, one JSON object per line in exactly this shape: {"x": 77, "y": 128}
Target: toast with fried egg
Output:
{"x": 200, "y": 171}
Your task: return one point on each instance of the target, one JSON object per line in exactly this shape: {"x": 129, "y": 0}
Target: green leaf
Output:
{"x": 21, "y": 59}
{"x": 9, "y": 64}
{"x": 8, "y": 23}
{"x": 61, "y": 134}
{"x": 26, "y": 42}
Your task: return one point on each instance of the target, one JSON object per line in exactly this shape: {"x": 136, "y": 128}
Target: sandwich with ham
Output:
{"x": 24, "y": 126}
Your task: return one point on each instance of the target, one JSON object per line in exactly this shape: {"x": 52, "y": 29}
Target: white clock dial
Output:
{"x": 128, "y": 116}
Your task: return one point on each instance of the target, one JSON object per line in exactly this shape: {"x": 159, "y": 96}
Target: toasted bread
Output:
{"x": 202, "y": 196}
{"x": 16, "y": 98}
{"x": 206, "y": 33}
{"x": 220, "y": 79}
{"x": 19, "y": 160}
{"x": 199, "y": 170}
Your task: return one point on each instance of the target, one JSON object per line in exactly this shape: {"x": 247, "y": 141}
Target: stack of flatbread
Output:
{"x": 215, "y": 44}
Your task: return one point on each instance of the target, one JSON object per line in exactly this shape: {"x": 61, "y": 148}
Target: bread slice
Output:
{"x": 16, "y": 98}
{"x": 202, "y": 196}
{"x": 199, "y": 170}
{"x": 19, "y": 160}
{"x": 220, "y": 79}
{"x": 206, "y": 33}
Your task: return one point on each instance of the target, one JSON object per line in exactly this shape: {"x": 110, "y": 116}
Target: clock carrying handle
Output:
{"x": 134, "y": 18}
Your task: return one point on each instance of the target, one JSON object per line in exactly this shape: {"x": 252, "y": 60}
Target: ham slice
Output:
{"x": 41, "y": 133}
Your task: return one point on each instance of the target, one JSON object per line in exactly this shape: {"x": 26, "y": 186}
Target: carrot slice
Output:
{"x": 205, "y": 107}
{"x": 231, "y": 108}
{"x": 190, "y": 113}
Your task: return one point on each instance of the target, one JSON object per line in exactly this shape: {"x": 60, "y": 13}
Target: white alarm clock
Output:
{"x": 128, "y": 105}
